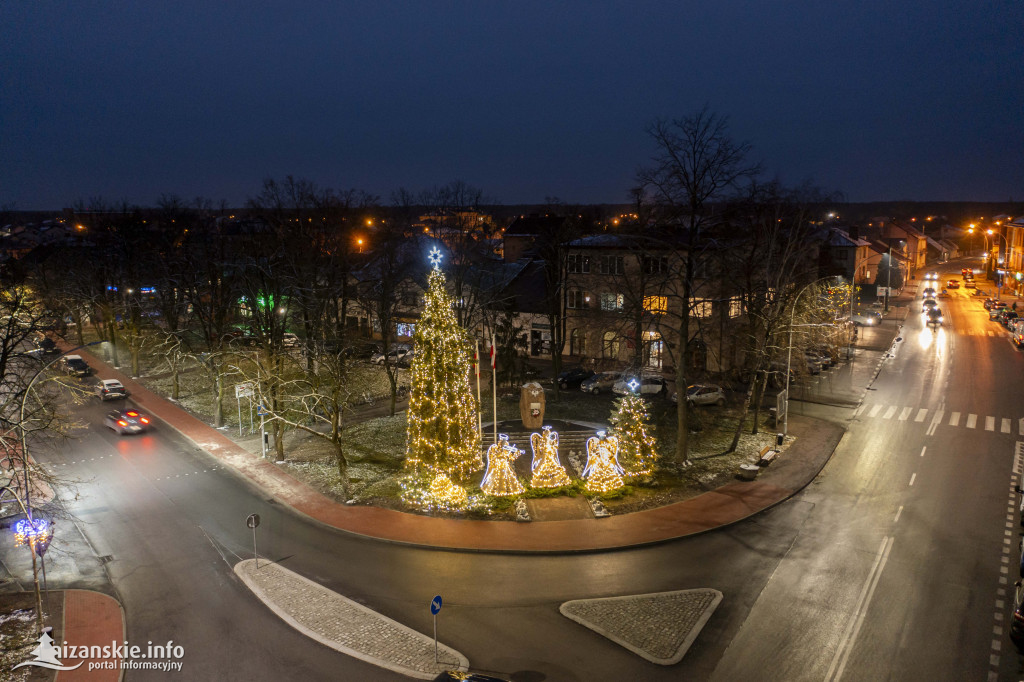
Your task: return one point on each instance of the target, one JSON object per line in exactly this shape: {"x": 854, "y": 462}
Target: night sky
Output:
{"x": 914, "y": 99}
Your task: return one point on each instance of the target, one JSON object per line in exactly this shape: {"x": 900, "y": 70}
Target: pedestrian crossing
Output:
{"x": 995, "y": 424}
{"x": 984, "y": 332}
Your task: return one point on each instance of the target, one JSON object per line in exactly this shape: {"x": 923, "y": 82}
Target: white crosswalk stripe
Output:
{"x": 990, "y": 423}
{"x": 890, "y": 412}
{"x": 972, "y": 421}
{"x": 954, "y": 419}
{"x": 1005, "y": 426}
{"x": 905, "y": 413}
{"x": 875, "y": 410}
{"x": 920, "y": 415}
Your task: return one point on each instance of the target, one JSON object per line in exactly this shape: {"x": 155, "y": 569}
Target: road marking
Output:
{"x": 905, "y": 413}
{"x": 923, "y": 450}
{"x": 856, "y": 413}
{"x": 1005, "y": 426}
{"x": 954, "y": 419}
{"x": 920, "y": 415}
{"x": 990, "y": 423}
{"x": 972, "y": 420}
{"x": 889, "y": 413}
{"x": 913, "y": 477}
{"x": 842, "y": 655}
{"x": 898, "y": 512}
{"x": 876, "y": 408}
{"x": 1020, "y": 426}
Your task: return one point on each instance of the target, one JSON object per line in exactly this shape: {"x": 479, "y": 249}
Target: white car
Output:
{"x": 866, "y": 319}
{"x": 110, "y": 389}
{"x": 644, "y": 386}
{"x": 703, "y": 394}
{"x": 394, "y": 356}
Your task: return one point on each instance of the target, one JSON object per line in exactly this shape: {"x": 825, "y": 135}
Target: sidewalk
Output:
{"x": 91, "y": 619}
{"x": 814, "y": 444}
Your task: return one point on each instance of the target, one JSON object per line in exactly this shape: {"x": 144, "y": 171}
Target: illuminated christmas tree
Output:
{"x": 603, "y": 472}
{"x": 500, "y": 478}
{"x": 548, "y": 472}
{"x": 442, "y": 436}
{"x": 638, "y": 449}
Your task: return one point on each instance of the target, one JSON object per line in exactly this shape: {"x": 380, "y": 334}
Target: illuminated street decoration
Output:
{"x": 638, "y": 449}
{"x": 633, "y": 385}
{"x": 435, "y": 257}
{"x": 36, "y": 535}
{"x": 548, "y": 472}
{"x": 603, "y": 472}
{"x": 447, "y": 494}
{"x": 500, "y": 478}
{"x": 441, "y": 434}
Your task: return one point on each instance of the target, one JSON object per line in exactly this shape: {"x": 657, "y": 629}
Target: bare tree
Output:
{"x": 696, "y": 163}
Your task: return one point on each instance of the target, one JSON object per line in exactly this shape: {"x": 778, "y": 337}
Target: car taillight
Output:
{"x": 143, "y": 420}
{"x": 1018, "y": 617}
{"x": 132, "y": 413}
{"x": 122, "y": 422}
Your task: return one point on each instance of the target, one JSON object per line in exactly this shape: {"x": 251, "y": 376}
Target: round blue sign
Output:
{"x": 435, "y": 604}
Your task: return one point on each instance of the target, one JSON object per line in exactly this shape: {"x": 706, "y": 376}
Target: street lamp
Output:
{"x": 1004, "y": 257}
{"x": 789, "y": 353}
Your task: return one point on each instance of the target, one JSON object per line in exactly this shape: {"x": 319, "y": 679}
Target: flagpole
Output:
{"x": 494, "y": 384}
{"x": 479, "y": 404}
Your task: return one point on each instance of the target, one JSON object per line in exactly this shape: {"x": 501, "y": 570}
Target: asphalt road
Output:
{"x": 887, "y": 567}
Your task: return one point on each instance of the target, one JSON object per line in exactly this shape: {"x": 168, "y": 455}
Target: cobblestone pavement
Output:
{"x": 659, "y": 626}
{"x": 345, "y": 625}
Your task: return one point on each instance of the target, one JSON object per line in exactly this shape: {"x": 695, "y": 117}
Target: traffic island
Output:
{"x": 346, "y": 626}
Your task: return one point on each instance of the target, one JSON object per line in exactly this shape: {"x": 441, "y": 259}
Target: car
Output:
{"x": 995, "y": 309}
{"x": 705, "y": 394}
{"x": 127, "y": 421}
{"x": 969, "y": 274}
{"x": 1018, "y": 334}
{"x": 643, "y": 386}
{"x": 397, "y": 352}
{"x": 931, "y": 275}
{"x": 604, "y": 381}
{"x": 929, "y": 292}
{"x": 75, "y": 366}
{"x": 1006, "y": 317}
{"x": 289, "y": 340}
{"x": 969, "y": 284}
{"x": 574, "y": 377}
{"x": 868, "y": 318}
{"x": 933, "y": 317}
{"x": 110, "y": 389}
{"x": 361, "y": 350}
{"x": 966, "y": 271}
{"x": 953, "y": 284}
{"x": 45, "y": 344}
{"x": 988, "y": 303}
{"x": 927, "y": 304}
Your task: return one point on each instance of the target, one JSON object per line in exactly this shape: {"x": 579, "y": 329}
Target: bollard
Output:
{"x": 779, "y": 438}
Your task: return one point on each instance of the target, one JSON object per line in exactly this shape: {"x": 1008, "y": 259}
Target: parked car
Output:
{"x": 363, "y": 350}
{"x": 988, "y": 303}
{"x": 1006, "y": 317}
{"x": 643, "y": 385}
{"x": 45, "y": 344}
{"x": 127, "y": 421}
{"x": 866, "y": 318}
{"x": 933, "y": 317}
{"x": 600, "y": 382}
{"x": 813, "y": 363}
{"x": 289, "y": 340}
{"x": 110, "y": 389}
{"x": 995, "y": 309}
{"x": 705, "y": 394}
{"x": 1018, "y": 332}
{"x": 396, "y": 353}
{"x": 574, "y": 377}
{"x": 75, "y": 366}
{"x": 969, "y": 284}
{"x": 928, "y": 303}
{"x": 953, "y": 284}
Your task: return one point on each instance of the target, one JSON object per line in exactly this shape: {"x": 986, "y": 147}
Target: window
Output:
{"x": 611, "y": 265}
{"x": 702, "y": 308}
{"x": 735, "y": 307}
{"x": 405, "y": 329}
{"x": 578, "y": 263}
{"x": 575, "y": 299}
{"x": 655, "y": 265}
{"x": 611, "y": 301}
{"x": 656, "y": 305}
{"x": 577, "y": 342}
{"x": 609, "y": 345}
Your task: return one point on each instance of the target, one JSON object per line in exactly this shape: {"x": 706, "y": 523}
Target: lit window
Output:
{"x": 702, "y": 308}
{"x": 735, "y": 307}
{"x": 657, "y": 305}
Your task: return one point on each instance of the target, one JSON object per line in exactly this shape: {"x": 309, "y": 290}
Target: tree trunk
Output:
{"x": 134, "y": 349}
{"x": 218, "y": 410}
{"x": 175, "y": 384}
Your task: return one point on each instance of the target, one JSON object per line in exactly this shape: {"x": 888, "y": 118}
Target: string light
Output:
{"x": 442, "y": 437}
{"x": 638, "y": 449}
{"x": 548, "y": 472}
{"x": 36, "y": 535}
{"x": 500, "y": 478}
{"x": 445, "y": 491}
{"x": 603, "y": 472}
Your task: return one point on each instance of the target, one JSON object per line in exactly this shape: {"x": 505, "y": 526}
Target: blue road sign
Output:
{"x": 261, "y": 411}
{"x": 435, "y": 604}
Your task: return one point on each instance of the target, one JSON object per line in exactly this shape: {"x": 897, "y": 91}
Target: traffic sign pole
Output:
{"x": 435, "y": 607}
{"x": 252, "y": 521}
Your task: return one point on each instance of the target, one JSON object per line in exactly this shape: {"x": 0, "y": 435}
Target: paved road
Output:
{"x": 897, "y": 571}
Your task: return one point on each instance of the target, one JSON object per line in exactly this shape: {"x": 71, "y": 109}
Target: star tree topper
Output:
{"x": 435, "y": 257}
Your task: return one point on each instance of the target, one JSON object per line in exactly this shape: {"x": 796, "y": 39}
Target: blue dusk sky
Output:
{"x": 908, "y": 100}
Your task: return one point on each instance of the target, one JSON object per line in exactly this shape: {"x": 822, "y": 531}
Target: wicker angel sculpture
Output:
{"x": 548, "y": 472}
{"x": 500, "y": 478}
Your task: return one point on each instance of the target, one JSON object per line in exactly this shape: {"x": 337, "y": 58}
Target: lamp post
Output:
{"x": 1004, "y": 255}
{"x": 789, "y": 352}
{"x": 32, "y": 550}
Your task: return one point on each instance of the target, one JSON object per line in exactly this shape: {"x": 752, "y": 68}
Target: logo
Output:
{"x": 47, "y": 655}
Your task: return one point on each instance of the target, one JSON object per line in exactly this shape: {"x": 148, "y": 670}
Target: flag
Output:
{"x": 494, "y": 356}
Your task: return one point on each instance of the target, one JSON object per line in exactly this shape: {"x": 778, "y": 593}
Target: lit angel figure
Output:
{"x": 548, "y": 472}
{"x": 500, "y": 479}
{"x": 603, "y": 472}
